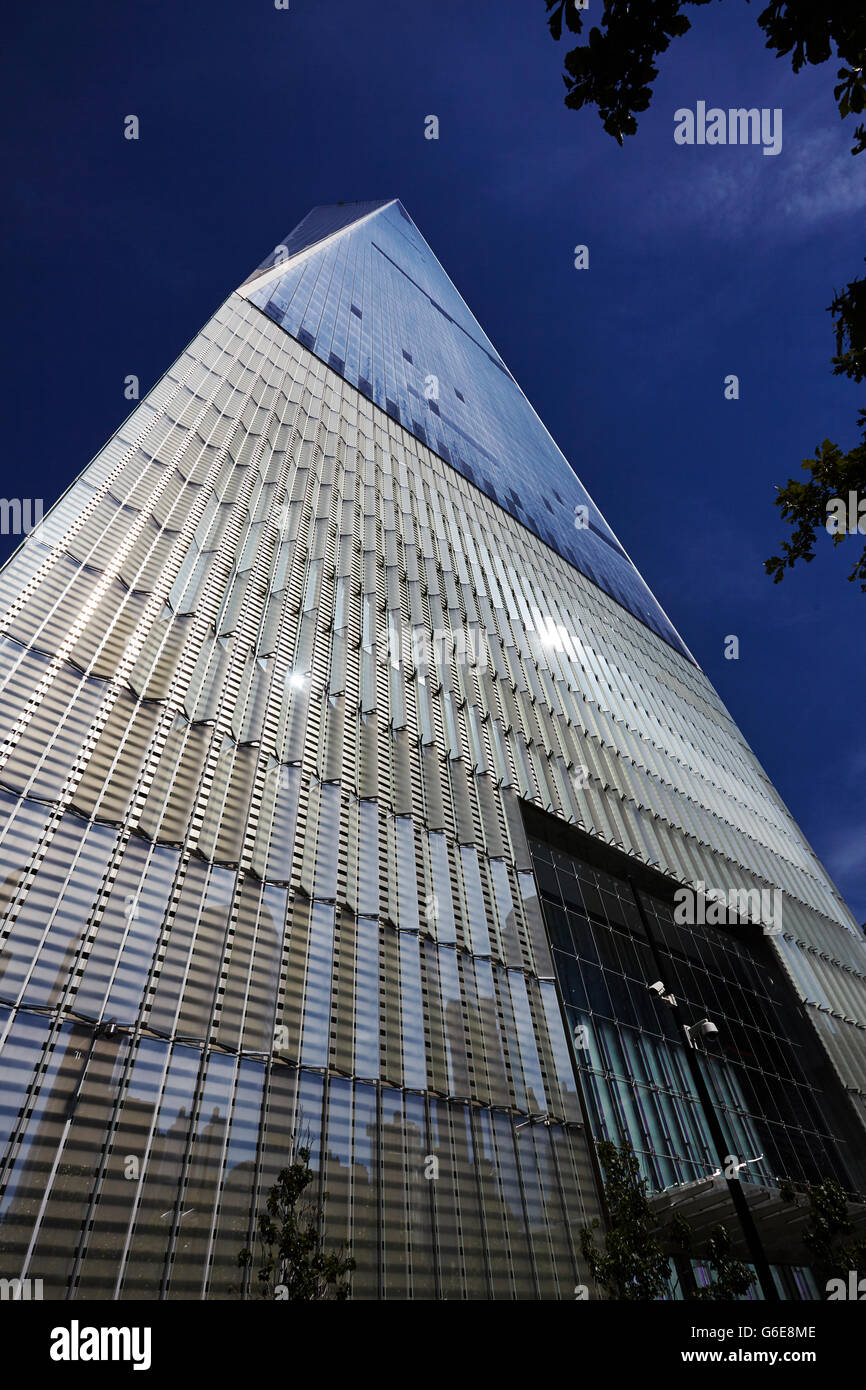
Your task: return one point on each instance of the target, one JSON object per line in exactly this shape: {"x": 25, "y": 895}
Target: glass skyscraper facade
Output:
{"x": 325, "y": 685}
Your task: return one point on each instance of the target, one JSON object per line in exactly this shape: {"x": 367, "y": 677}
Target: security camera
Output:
{"x": 659, "y": 989}
{"x": 702, "y": 1029}
{"x": 543, "y": 1117}
{"x": 705, "y": 1029}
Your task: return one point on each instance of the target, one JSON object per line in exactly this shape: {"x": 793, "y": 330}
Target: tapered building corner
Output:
{"x": 356, "y": 788}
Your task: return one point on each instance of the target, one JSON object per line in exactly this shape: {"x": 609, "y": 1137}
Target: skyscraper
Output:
{"x": 356, "y": 788}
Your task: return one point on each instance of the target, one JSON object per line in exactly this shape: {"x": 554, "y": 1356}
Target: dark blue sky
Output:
{"x": 703, "y": 262}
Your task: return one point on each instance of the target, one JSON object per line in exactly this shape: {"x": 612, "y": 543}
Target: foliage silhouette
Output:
{"x": 632, "y": 1265}
{"x": 294, "y": 1265}
{"x": 731, "y": 1277}
{"x": 614, "y": 71}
